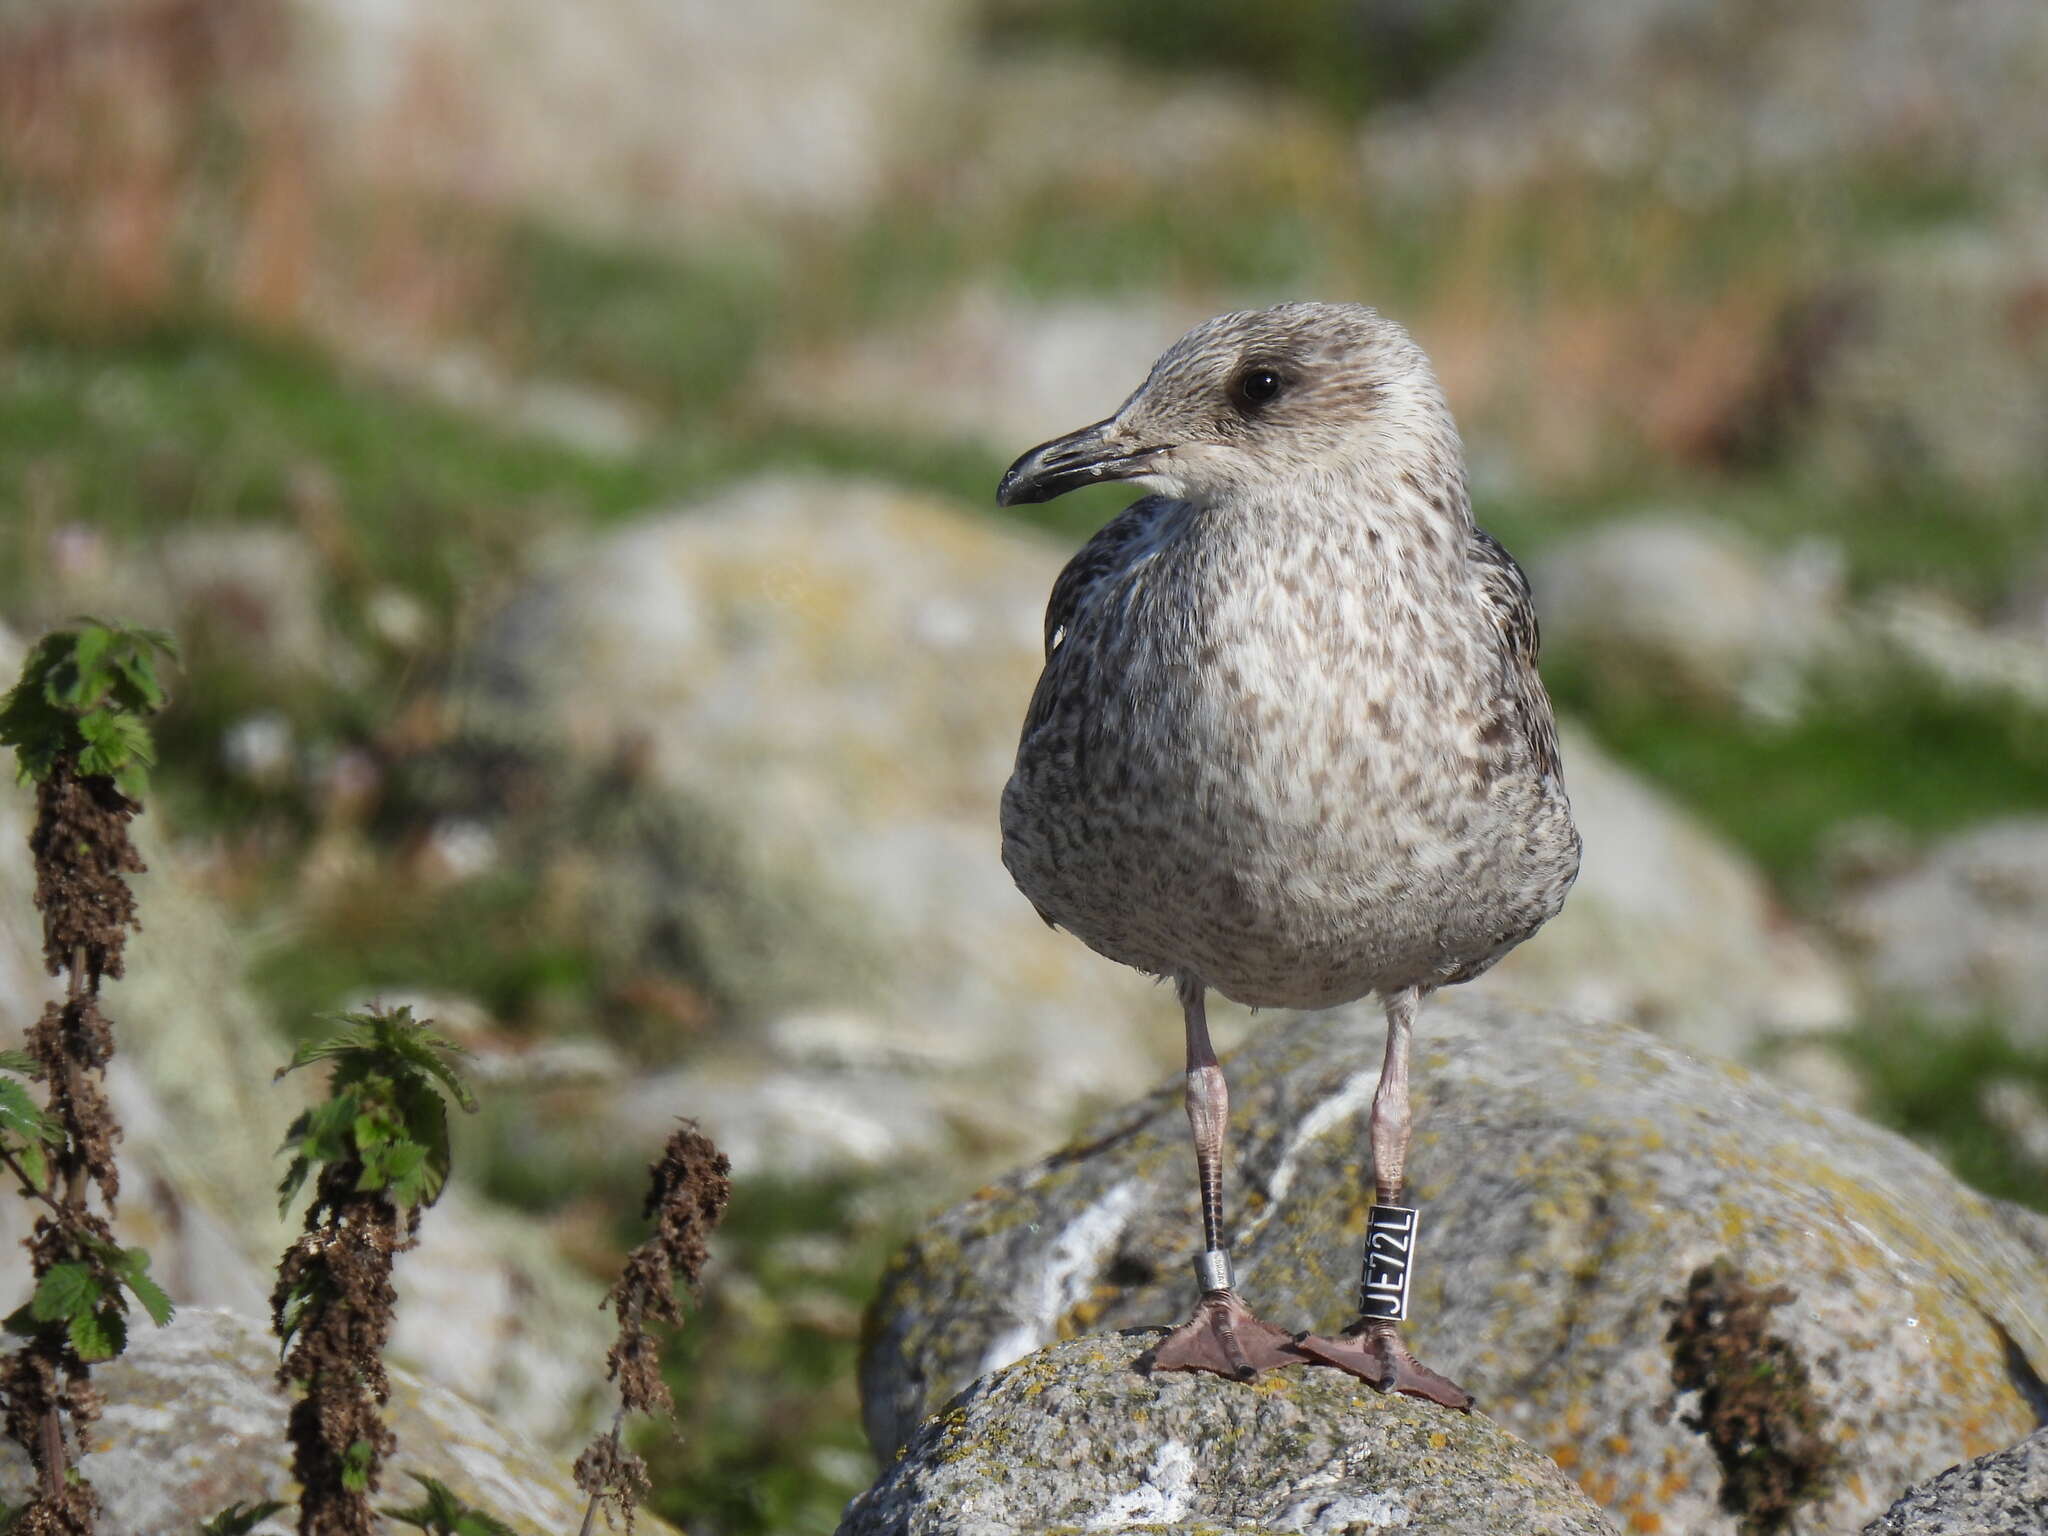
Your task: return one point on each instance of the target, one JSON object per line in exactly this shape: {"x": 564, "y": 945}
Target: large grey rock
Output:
{"x": 1680, "y": 603}
{"x": 821, "y": 684}
{"x": 1078, "y": 1437}
{"x": 1573, "y": 1177}
{"x": 195, "y": 1421}
{"x": 1999, "y": 1495}
{"x": 1670, "y": 929}
{"x": 1959, "y": 936}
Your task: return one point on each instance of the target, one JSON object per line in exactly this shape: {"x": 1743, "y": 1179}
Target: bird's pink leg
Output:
{"x": 1223, "y": 1336}
{"x": 1370, "y": 1348}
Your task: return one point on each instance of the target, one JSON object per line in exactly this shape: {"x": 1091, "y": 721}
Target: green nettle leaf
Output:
{"x": 94, "y": 641}
{"x": 238, "y": 1519}
{"x": 355, "y": 1466}
{"x": 21, "y": 1115}
{"x": 33, "y": 1163}
{"x": 83, "y": 693}
{"x": 293, "y": 1181}
{"x": 373, "y": 1131}
{"x": 387, "y": 1111}
{"x": 443, "y": 1513}
{"x": 293, "y": 1312}
{"x": 99, "y": 1335}
{"x": 410, "y": 1177}
{"x": 141, "y": 680}
{"x": 134, "y": 1272}
{"x": 18, "y": 1062}
{"x": 67, "y": 1291}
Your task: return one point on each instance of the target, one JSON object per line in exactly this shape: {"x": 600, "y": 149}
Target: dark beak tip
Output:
{"x": 1067, "y": 463}
{"x": 1016, "y": 490}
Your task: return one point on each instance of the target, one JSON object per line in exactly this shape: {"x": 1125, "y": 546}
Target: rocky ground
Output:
{"x": 1582, "y": 1185}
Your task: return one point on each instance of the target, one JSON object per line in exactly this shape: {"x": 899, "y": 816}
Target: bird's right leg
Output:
{"x": 1223, "y": 1336}
{"x": 1371, "y": 1348}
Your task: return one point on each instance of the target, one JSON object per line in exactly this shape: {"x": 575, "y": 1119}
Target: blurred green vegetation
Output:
{"x": 777, "y": 1446}
{"x": 1917, "y": 757}
{"x": 1928, "y": 1078}
{"x": 1347, "y": 56}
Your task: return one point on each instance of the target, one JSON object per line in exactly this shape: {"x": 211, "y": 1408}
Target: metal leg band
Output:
{"x": 1390, "y": 1237}
{"x": 1212, "y": 1271}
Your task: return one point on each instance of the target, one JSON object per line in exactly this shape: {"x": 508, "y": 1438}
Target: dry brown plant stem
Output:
{"x": 688, "y": 1190}
{"x": 82, "y": 855}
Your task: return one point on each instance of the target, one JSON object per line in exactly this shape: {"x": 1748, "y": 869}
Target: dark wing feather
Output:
{"x": 1504, "y": 595}
{"x": 1108, "y": 552}
{"x": 1112, "y": 550}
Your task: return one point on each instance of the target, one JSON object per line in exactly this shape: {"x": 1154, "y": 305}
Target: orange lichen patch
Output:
{"x": 1601, "y": 1487}
{"x": 1617, "y": 1445}
{"x": 1438, "y": 1439}
{"x": 1566, "y": 1456}
{"x": 1646, "y": 1522}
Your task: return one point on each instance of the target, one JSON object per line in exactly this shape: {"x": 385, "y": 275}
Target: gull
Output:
{"x": 1289, "y": 743}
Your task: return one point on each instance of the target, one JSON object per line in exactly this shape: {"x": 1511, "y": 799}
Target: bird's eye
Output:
{"x": 1256, "y": 387}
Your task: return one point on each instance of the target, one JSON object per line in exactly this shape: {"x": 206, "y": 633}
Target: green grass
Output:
{"x": 1925, "y": 761}
{"x": 210, "y": 426}
{"x": 488, "y": 939}
{"x": 673, "y": 331}
{"x": 1343, "y": 55}
{"x": 1925, "y": 1079}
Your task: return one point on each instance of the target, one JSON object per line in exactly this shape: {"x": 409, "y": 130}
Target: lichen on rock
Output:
{"x": 1080, "y": 1437}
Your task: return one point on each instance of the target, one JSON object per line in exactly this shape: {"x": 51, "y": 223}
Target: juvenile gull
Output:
{"x": 1289, "y": 742}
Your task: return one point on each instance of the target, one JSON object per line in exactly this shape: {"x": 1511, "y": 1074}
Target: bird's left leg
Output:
{"x": 1223, "y": 1336}
{"x": 1371, "y": 1348}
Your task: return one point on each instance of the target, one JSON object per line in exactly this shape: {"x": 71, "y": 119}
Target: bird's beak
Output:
{"x": 1086, "y": 457}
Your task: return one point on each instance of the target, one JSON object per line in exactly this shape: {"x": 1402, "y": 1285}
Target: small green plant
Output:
{"x": 83, "y": 698}
{"x": 376, "y": 1153}
{"x": 239, "y": 1519}
{"x": 442, "y": 1513}
{"x": 76, "y": 722}
{"x": 688, "y": 1190}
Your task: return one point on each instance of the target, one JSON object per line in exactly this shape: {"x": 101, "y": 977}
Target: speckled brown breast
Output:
{"x": 1300, "y": 761}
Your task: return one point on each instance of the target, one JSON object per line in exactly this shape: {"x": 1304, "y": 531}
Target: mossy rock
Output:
{"x": 1574, "y": 1177}
{"x": 1081, "y": 1437}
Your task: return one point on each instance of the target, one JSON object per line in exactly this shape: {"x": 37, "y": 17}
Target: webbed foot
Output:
{"x": 1376, "y": 1355}
{"x": 1225, "y": 1337}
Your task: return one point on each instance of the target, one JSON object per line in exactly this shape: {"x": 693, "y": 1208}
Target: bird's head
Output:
{"x": 1251, "y": 403}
